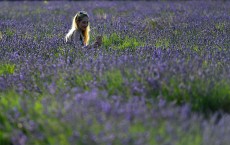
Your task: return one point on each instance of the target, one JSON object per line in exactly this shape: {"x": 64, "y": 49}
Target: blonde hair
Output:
{"x": 78, "y": 17}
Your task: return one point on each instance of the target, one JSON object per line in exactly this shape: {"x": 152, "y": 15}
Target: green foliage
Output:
{"x": 177, "y": 32}
{"x": 161, "y": 135}
{"x": 196, "y": 48}
{"x": 6, "y": 69}
{"x": 152, "y": 24}
{"x": 114, "y": 81}
{"x": 220, "y": 26}
{"x": 175, "y": 39}
{"x": 195, "y": 139}
{"x": 9, "y": 32}
{"x": 1, "y": 36}
{"x": 38, "y": 107}
{"x": 8, "y": 100}
{"x": 96, "y": 127}
{"x": 4, "y": 139}
{"x": 102, "y": 12}
{"x": 162, "y": 42}
{"x": 99, "y": 11}
{"x": 216, "y": 98}
{"x": 60, "y": 50}
{"x": 83, "y": 79}
{"x": 192, "y": 138}
{"x": 59, "y": 132}
{"x": 48, "y": 124}
{"x": 113, "y": 39}
{"x": 203, "y": 95}
{"x": 137, "y": 128}
{"x": 117, "y": 42}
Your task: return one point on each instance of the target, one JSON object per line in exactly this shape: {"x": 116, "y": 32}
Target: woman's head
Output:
{"x": 81, "y": 21}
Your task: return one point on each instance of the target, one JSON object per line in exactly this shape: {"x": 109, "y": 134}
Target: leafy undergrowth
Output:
{"x": 87, "y": 118}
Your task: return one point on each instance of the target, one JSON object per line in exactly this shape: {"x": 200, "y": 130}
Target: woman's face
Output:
{"x": 83, "y": 24}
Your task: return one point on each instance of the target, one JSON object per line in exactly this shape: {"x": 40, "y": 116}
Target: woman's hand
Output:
{"x": 98, "y": 42}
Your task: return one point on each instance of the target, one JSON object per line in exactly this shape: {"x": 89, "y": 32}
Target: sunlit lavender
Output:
{"x": 161, "y": 76}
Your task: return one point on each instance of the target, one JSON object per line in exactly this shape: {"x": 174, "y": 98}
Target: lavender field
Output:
{"x": 161, "y": 76}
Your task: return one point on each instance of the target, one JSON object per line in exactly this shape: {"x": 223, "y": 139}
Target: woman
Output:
{"x": 79, "y": 33}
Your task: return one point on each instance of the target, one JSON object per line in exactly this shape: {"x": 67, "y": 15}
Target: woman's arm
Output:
{"x": 76, "y": 39}
{"x": 89, "y": 46}
{"x": 96, "y": 44}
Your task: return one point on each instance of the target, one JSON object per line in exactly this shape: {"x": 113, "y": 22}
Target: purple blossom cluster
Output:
{"x": 171, "y": 87}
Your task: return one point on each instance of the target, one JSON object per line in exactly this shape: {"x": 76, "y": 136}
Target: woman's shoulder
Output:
{"x": 76, "y": 32}
{"x": 77, "y": 38}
